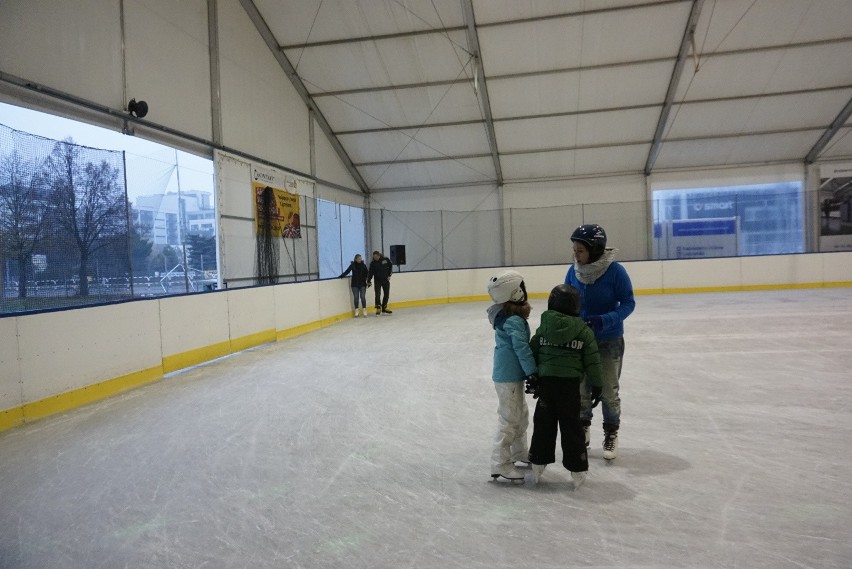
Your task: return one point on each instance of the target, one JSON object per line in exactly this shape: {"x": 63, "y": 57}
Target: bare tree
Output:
{"x": 88, "y": 203}
{"x": 22, "y": 214}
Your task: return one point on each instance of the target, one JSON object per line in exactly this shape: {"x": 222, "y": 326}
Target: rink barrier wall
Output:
{"x": 52, "y": 362}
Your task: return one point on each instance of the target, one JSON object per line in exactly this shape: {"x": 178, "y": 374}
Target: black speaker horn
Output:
{"x": 397, "y": 254}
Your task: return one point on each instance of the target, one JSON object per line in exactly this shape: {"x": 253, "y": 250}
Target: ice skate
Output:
{"x": 378, "y": 311}
{"x": 386, "y": 311}
{"x": 509, "y": 473}
{"x": 578, "y": 478}
{"x": 537, "y": 471}
{"x": 610, "y": 445}
{"x": 522, "y": 464}
{"x": 356, "y": 314}
{"x": 363, "y": 312}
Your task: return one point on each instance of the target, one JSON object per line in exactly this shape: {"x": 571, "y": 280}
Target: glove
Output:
{"x": 596, "y": 396}
{"x": 595, "y": 323}
{"x": 532, "y": 385}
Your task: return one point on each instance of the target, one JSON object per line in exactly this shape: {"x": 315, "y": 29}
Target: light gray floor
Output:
{"x": 367, "y": 445}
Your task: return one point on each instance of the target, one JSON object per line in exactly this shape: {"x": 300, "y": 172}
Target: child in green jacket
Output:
{"x": 565, "y": 351}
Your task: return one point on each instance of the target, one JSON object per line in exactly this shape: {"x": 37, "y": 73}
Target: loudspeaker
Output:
{"x": 397, "y": 254}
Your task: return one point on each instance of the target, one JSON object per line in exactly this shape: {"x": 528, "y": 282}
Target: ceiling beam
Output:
{"x": 829, "y": 133}
{"x": 685, "y": 42}
{"x": 268, "y": 37}
{"x": 377, "y": 37}
{"x": 473, "y": 45}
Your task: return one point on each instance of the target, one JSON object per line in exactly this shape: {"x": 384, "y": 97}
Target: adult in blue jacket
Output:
{"x": 607, "y": 296}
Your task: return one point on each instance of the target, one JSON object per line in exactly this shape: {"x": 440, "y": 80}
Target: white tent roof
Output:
{"x": 428, "y": 93}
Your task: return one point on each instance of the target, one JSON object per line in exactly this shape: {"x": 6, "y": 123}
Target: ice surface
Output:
{"x": 367, "y": 444}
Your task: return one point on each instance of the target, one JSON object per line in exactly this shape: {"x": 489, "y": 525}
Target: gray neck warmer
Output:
{"x": 589, "y": 273}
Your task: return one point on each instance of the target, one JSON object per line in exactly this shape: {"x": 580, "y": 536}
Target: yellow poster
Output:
{"x": 284, "y": 218}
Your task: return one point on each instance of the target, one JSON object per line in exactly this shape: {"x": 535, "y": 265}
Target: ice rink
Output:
{"x": 367, "y": 445}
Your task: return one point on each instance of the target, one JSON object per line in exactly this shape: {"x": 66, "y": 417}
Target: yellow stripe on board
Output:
{"x": 252, "y": 340}
{"x": 195, "y": 357}
{"x": 77, "y": 397}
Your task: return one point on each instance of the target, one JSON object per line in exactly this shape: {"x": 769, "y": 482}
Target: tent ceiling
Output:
{"x": 432, "y": 93}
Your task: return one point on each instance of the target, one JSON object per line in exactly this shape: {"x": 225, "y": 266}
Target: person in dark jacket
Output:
{"x": 358, "y": 282}
{"x": 565, "y": 352}
{"x": 380, "y": 272}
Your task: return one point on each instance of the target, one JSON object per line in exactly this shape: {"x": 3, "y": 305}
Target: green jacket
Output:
{"x": 564, "y": 346}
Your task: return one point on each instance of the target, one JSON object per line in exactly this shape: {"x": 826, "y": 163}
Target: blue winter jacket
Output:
{"x": 610, "y": 297}
{"x": 513, "y": 357}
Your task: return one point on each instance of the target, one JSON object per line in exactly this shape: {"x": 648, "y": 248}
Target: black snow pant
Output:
{"x": 382, "y": 287}
{"x": 559, "y": 406}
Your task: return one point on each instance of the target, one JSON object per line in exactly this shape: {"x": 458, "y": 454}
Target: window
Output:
{"x": 759, "y": 219}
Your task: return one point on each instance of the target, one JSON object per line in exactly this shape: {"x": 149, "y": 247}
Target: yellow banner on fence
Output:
{"x": 284, "y": 216}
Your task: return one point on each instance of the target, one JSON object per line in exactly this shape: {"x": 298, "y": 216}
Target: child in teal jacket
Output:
{"x": 513, "y": 363}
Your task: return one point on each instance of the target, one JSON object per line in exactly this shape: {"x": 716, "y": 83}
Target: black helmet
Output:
{"x": 593, "y": 237}
{"x": 565, "y": 299}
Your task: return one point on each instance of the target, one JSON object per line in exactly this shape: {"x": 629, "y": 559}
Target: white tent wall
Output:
{"x": 262, "y": 114}
{"x": 441, "y": 228}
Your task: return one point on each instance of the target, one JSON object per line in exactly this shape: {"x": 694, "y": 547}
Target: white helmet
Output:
{"x": 507, "y": 287}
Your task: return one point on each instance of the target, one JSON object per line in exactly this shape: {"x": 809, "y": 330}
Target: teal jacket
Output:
{"x": 564, "y": 346}
{"x": 513, "y": 357}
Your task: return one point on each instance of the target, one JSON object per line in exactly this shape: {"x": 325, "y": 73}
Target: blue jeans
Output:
{"x": 360, "y": 292}
{"x": 612, "y": 353}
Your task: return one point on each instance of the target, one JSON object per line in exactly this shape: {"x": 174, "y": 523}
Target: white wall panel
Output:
{"x": 645, "y": 275}
{"x": 73, "y": 47}
{"x": 251, "y": 311}
{"x": 10, "y": 370}
{"x": 393, "y": 61}
{"x": 66, "y": 350}
{"x": 771, "y": 269}
{"x": 611, "y": 189}
{"x": 334, "y": 298}
{"x": 437, "y": 172}
{"x": 556, "y": 43}
{"x": 569, "y": 163}
{"x": 168, "y": 63}
{"x": 742, "y": 175}
{"x": 710, "y": 273}
{"x": 402, "y": 107}
{"x": 449, "y": 199}
{"x": 417, "y": 143}
{"x": 297, "y": 304}
{"x": 792, "y": 146}
{"x": 768, "y": 113}
{"x": 414, "y": 287}
{"x": 837, "y": 267}
{"x": 262, "y": 114}
{"x": 194, "y": 321}
{"x": 329, "y": 166}
{"x": 840, "y": 145}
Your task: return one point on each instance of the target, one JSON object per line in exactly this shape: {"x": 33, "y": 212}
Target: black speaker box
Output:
{"x": 397, "y": 254}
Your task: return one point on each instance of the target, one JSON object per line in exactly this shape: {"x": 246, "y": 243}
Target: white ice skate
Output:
{"x": 610, "y": 445}
{"x": 537, "y": 471}
{"x": 578, "y": 478}
{"x": 509, "y": 473}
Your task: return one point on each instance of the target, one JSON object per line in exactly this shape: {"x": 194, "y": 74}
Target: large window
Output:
{"x": 759, "y": 219}
{"x": 341, "y": 236}
{"x": 89, "y": 215}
